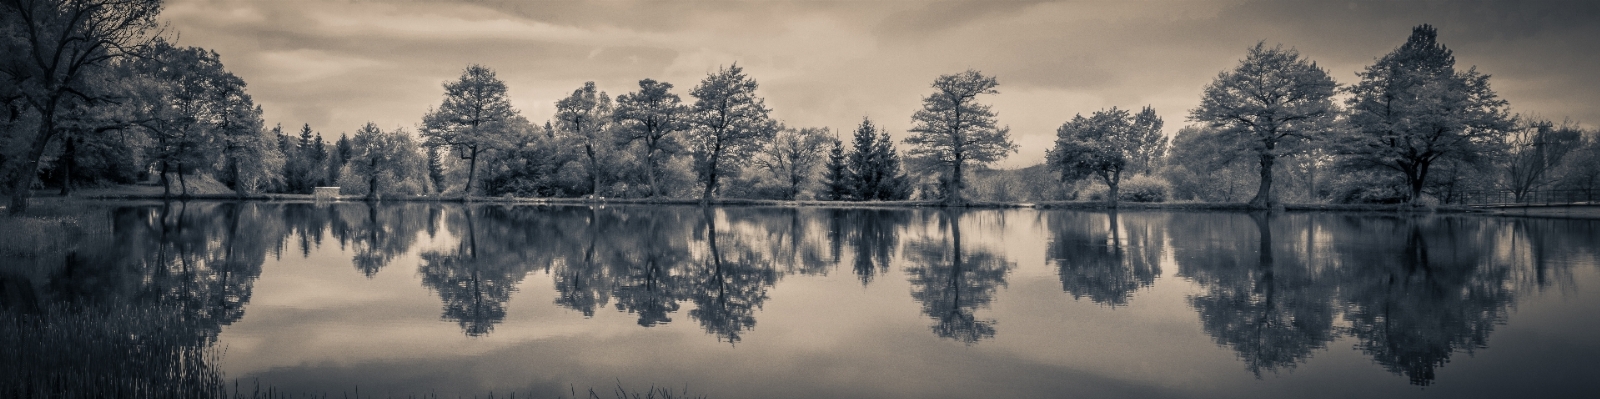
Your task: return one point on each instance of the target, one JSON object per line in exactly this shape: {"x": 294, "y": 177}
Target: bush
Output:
{"x": 1136, "y": 188}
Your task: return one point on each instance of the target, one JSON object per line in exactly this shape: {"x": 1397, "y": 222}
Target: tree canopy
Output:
{"x": 953, "y": 129}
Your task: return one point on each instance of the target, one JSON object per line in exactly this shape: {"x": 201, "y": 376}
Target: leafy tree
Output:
{"x": 1205, "y": 164}
{"x": 730, "y": 124}
{"x": 1104, "y": 144}
{"x": 1151, "y": 143}
{"x": 1274, "y": 101}
{"x": 952, "y": 129}
{"x": 178, "y": 108}
{"x": 837, "y": 178}
{"x": 585, "y": 116}
{"x": 54, "y": 45}
{"x": 247, "y": 148}
{"x": 1534, "y": 151}
{"x": 1581, "y": 172}
{"x": 378, "y": 154}
{"x": 875, "y": 166}
{"x": 1413, "y": 109}
{"x": 475, "y": 117}
{"x": 793, "y": 157}
{"x": 651, "y": 116}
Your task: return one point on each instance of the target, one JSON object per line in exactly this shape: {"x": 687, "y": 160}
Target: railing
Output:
{"x": 1536, "y": 197}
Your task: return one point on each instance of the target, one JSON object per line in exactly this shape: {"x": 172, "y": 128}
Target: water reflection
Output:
{"x": 1411, "y": 293}
{"x": 951, "y": 283}
{"x": 1105, "y": 260}
{"x": 1268, "y": 300}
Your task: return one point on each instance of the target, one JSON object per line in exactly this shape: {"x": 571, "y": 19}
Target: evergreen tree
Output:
{"x": 874, "y": 167}
{"x": 838, "y": 177}
{"x": 435, "y": 169}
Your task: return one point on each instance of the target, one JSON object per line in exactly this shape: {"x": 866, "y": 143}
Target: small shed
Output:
{"x": 325, "y": 193}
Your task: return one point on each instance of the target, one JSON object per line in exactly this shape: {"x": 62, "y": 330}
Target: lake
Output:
{"x": 732, "y": 302}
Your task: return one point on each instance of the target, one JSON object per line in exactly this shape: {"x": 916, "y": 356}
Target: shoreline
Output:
{"x": 1533, "y": 211}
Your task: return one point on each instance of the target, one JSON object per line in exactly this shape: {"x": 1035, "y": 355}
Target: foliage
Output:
{"x": 952, "y": 129}
{"x": 1104, "y": 144}
{"x": 729, "y": 125}
{"x": 874, "y": 166}
{"x": 652, "y": 116}
{"x": 384, "y": 159}
{"x": 57, "y": 44}
{"x": 585, "y": 118}
{"x": 837, "y": 177}
{"x": 1534, "y": 151}
{"x": 1412, "y": 109}
{"x": 1274, "y": 102}
{"x": 793, "y": 158}
{"x": 474, "y": 118}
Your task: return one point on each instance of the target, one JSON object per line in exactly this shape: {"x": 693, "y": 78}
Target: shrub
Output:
{"x": 1136, "y": 188}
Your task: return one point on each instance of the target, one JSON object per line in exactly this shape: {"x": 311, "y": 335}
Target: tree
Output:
{"x": 952, "y": 129}
{"x": 651, "y": 116}
{"x": 1275, "y": 101}
{"x": 1534, "y": 151}
{"x": 1150, "y": 143}
{"x": 377, "y": 154}
{"x": 53, "y": 46}
{"x": 182, "y": 99}
{"x": 475, "y": 117}
{"x": 794, "y": 156}
{"x": 435, "y": 169}
{"x": 585, "y": 116}
{"x": 875, "y": 166}
{"x": 730, "y": 124}
{"x": 1412, "y": 109}
{"x": 1105, "y": 145}
{"x": 837, "y": 177}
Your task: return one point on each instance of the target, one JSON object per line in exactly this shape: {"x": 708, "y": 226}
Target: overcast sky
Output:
{"x": 339, "y": 64}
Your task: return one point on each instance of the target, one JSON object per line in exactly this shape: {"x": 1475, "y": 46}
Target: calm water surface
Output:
{"x": 408, "y": 299}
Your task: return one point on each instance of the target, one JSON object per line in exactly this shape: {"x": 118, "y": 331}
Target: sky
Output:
{"x": 337, "y": 65}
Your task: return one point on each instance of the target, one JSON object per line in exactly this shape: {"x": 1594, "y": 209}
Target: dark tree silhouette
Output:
{"x": 951, "y": 283}
{"x": 1094, "y": 260}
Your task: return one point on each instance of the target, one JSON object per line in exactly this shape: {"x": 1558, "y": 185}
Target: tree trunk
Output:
{"x": 711, "y": 175}
{"x": 472, "y": 171}
{"x": 594, "y": 170}
{"x": 1419, "y": 179}
{"x": 372, "y": 182}
{"x": 1263, "y": 198}
{"x": 238, "y": 179}
{"x": 952, "y": 196}
{"x": 650, "y": 171}
{"x": 1113, "y": 183}
{"x": 23, "y": 185}
{"x": 166, "y": 182}
{"x": 69, "y": 156}
{"x": 183, "y": 184}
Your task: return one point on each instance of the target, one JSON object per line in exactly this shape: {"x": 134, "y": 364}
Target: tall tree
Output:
{"x": 952, "y": 129}
{"x": 179, "y": 108}
{"x": 1413, "y": 109}
{"x": 1275, "y": 101}
{"x": 57, "y": 43}
{"x": 730, "y": 124}
{"x": 837, "y": 177}
{"x": 585, "y": 116}
{"x": 651, "y": 116}
{"x": 247, "y": 148}
{"x": 875, "y": 166}
{"x": 794, "y": 156}
{"x": 475, "y": 117}
{"x": 1105, "y": 145}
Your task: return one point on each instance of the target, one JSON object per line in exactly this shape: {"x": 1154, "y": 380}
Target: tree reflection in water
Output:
{"x": 1274, "y": 308}
{"x": 1423, "y": 289}
{"x": 1094, "y": 260}
{"x": 951, "y": 283}
{"x": 729, "y": 283}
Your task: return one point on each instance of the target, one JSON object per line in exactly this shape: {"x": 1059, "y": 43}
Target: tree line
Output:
{"x": 95, "y": 95}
